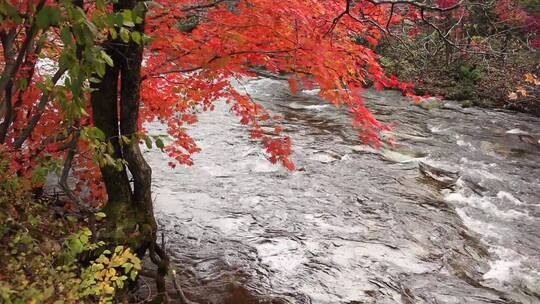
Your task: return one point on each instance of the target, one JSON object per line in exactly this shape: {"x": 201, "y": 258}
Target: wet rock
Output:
{"x": 430, "y": 103}
{"x": 466, "y": 104}
{"x": 361, "y": 228}
{"x": 402, "y": 155}
{"x": 446, "y": 178}
{"x": 325, "y": 157}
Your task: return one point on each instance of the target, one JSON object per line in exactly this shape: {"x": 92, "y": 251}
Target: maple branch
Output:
{"x": 253, "y": 52}
{"x": 203, "y": 6}
{"x": 72, "y": 146}
{"x": 417, "y": 4}
{"x": 11, "y": 111}
{"x": 49, "y": 140}
{"x": 338, "y": 18}
{"x": 188, "y": 70}
{"x": 390, "y": 17}
{"x": 422, "y": 6}
{"x": 172, "y": 71}
{"x": 10, "y": 70}
{"x": 41, "y": 107}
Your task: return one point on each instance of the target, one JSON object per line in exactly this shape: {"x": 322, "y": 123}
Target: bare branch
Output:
{"x": 202, "y": 6}
{"x": 67, "y": 168}
{"x": 419, "y": 4}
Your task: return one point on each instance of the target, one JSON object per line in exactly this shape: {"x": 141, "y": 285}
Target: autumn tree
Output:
{"x": 80, "y": 78}
{"x": 477, "y": 51}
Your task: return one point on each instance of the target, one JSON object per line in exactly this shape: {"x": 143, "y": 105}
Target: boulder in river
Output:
{"x": 430, "y": 103}
{"x": 446, "y": 178}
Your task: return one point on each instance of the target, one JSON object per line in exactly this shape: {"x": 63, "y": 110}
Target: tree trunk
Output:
{"x": 129, "y": 125}
{"x": 129, "y": 210}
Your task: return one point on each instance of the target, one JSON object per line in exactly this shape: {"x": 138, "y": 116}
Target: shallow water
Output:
{"x": 352, "y": 224}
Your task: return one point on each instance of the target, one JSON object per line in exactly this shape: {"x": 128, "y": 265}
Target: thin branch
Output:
{"x": 338, "y": 18}
{"x": 40, "y": 108}
{"x": 67, "y": 167}
{"x": 202, "y": 6}
{"x": 11, "y": 70}
{"x": 194, "y": 69}
{"x": 417, "y": 4}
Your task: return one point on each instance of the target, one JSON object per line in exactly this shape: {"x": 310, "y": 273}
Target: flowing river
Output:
{"x": 449, "y": 215}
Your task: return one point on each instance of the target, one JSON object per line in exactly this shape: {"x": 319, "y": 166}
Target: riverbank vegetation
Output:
{"x": 485, "y": 53}
{"x": 80, "y": 79}
{"x": 49, "y": 252}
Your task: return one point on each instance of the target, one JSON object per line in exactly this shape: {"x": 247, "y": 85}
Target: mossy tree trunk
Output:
{"x": 115, "y": 107}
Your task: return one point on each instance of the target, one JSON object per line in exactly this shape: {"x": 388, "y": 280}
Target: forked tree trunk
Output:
{"x": 115, "y": 107}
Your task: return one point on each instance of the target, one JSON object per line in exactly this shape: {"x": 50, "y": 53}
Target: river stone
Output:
{"x": 430, "y": 103}
{"x": 444, "y": 177}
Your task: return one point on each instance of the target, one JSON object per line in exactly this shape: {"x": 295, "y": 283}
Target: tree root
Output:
{"x": 160, "y": 258}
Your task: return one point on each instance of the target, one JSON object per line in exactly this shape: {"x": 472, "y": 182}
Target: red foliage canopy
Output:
{"x": 199, "y": 49}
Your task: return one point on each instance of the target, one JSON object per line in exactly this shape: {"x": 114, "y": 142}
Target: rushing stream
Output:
{"x": 451, "y": 215}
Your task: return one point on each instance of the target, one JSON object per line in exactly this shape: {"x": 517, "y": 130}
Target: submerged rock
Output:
{"x": 446, "y": 178}
{"x": 430, "y": 103}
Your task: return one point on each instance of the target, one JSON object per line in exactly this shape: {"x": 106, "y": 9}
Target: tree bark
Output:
{"x": 129, "y": 125}
{"x": 115, "y": 107}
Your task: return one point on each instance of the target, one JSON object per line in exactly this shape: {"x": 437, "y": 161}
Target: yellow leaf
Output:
{"x": 512, "y": 96}
{"x": 529, "y": 77}
{"x": 108, "y": 289}
{"x": 522, "y": 91}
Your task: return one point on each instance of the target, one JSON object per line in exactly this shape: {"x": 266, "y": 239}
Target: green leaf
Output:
{"x": 23, "y": 84}
{"x": 48, "y": 16}
{"x": 65, "y": 35}
{"x": 75, "y": 245}
{"x": 127, "y": 18}
{"x": 67, "y": 60}
{"x": 100, "y": 4}
{"x": 84, "y": 239}
{"x": 127, "y": 267}
{"x": 159, "y": 143}
{"x": 7, "y": 9}
{"x": 107, "y": 58}
{"x": 83, "y": 112}
{"x": 100, "y": 69}
{"x": 96, "y": 133}
{"x": 113, "y": 32}
{"x": 148, "y": 142}
{"x": 136, "y": 37}
{"x": 34, "y": 220}
{"x": 39, "y": 174}
{"x": 124, "y": 34}
{"x": 109, "y": 160}
{"x": 110, "y": 148}
{"x": 147, "y": 39}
